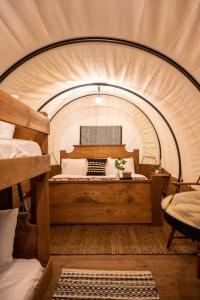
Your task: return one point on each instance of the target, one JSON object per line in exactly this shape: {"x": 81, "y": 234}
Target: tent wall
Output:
{"x": 162, "y": 65}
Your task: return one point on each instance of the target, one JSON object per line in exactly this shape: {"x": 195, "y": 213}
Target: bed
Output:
{"x": 182, "y": 212}
{"x": 25, "y": 265}
{"x": 106, "y": 199}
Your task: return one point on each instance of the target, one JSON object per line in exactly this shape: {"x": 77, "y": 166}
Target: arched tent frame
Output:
{"x": 131, "y": 92}
{"x": 100, "y": 40}
{"x": 103, "y": 94}
{"x": 124, "y": 43}
{"x": 137, "y": 129}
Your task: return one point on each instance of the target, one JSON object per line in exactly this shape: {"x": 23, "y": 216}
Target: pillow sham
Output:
{"x": 111, "y": 170}
{"x": 96, "y": 166}
{"x": 8, "y": 222}
{"x": 72, "y": 166}
{"x": 6, "y": 130}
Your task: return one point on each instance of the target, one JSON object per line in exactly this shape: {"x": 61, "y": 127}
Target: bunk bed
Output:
{"x": 95, "y": 200}
{"x": 26, "y": 269}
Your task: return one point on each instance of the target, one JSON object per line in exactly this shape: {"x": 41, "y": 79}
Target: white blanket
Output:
{"x": 19, "y": 278}
{"x": 18, "y": 148}
{"x": 85, "y": 177}
{"x": 185, "y": 207}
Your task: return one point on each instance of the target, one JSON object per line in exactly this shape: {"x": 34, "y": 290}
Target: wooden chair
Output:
{"x": 187, "y": 230}
{"x": 178, "y": 186}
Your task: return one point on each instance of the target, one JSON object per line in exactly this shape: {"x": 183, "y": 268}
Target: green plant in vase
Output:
{"x": 119, "y": 165}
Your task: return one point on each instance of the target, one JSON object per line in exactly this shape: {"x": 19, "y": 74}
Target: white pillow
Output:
{"x": 72, "y": 166}
{"x": 6, "y": 130}
{"x": 8, "y": 222}
{"x": 111, "y": 170}
{"x": 129, "y": 166}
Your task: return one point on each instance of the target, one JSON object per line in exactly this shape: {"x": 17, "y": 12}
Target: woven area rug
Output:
{"x": 114, "y": 240}
{"x": 98, "y": 285}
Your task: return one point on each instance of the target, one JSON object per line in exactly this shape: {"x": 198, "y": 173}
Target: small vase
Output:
{"x": 118, "y": 174}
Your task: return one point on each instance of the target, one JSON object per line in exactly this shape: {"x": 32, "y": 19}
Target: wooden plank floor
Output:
{"x": 175, "y": 276}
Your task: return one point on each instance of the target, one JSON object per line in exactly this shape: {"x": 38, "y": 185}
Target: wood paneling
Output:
{"x": 23, "y": 115}
{"x": 100, "y": 202}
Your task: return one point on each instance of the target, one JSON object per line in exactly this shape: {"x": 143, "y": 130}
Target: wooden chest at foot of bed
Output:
{"x": 100, "y": 202}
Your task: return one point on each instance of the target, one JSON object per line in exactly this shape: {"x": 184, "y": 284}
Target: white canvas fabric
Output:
{"x": 171, "y": 28}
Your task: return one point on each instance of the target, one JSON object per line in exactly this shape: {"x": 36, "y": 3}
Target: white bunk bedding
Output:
{"x": 19, "y": 278}
{"x": 13, "y": 148}
{"x": 184, "y": 206}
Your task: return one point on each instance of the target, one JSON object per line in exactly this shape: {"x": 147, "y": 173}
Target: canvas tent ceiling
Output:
{"x": 169, "y": 97}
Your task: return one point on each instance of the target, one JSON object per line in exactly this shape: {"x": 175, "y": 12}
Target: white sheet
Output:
{"x": 64, "y": 176}
{"x": 19, "y": 278}
{"x": 185, "y": 207}
{"x": 18, "y": 148}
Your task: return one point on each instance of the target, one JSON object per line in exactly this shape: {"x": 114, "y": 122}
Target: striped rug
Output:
{"x": 98, "y": 285}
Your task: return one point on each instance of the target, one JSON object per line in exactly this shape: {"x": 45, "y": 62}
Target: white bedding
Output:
{"x": 85, "y": 177}
{"x": 18, "y": 148}
{"x": 185, "y": 207}
{"x": 19, "y": 278}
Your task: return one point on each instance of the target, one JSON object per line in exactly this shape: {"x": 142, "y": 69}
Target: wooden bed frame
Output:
{"x": 30, "y": 240}
{"x": 116, "y": 201}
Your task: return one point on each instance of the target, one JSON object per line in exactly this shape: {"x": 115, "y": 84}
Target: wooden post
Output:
{"x": 42, "y": 139}
{"x": 136, "y": 161}
{"x": 198, "y": 260}
{"x": 156, "y": 196}
{"x": 170, "y": 237}
{"x": 42, "y": 218}
{"x": 33, "y": 200}
{"x": 159, "y": 187}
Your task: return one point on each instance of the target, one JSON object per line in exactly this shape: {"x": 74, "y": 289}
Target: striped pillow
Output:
{"x": 96, "y": 166}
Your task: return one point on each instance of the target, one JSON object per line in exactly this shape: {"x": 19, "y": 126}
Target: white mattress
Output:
{"x": 18, "y": 148}
{"x": 185, "y": 207}
{"x": 19, "y": 278}
{"x": 85, "y": 177}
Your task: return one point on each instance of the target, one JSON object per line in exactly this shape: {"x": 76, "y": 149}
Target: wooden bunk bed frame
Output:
{"x": 31, "y": 240}
{"x": 110, "y": 201}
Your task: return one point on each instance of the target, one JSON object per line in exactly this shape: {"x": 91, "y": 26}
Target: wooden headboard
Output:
{"x": 101, "y": 151}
